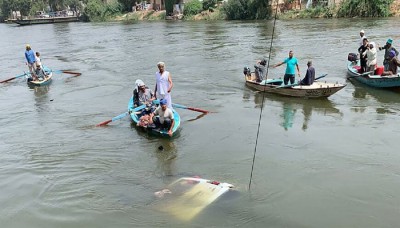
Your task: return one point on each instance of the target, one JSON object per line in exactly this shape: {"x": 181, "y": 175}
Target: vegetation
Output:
{"x": 246, "y": 9}
{"x": 97, "y": 10}
{"x": 193, "y": 7}
{"x": 365, "y": 8}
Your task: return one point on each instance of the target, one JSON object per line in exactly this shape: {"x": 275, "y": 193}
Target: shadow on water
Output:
{"x": 385, "y": 96}
{"x": 291, "y": 106}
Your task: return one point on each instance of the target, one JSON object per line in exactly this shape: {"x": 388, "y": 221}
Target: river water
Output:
{"x": 318, "y": 163}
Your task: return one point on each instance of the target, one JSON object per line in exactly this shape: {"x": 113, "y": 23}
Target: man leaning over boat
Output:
{"x": 163, "y": 117}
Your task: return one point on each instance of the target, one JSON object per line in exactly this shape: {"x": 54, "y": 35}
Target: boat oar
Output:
{"x": 75, "y": 74}
{"x": 360, "y": 75}
{"x": 190, "y": 108}
{"x": 18, "y": 76}
{"x": 322, "y": 76}
{"x": 120, "y": 116}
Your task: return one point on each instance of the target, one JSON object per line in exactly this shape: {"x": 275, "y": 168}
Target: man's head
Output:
{"x": 161, "y": 66}
{"x": 290, "y": 54}
{"x": 263, "y": 62}
{"x": 309, "y": 63}
{"x": 362, "y": 33}
{"x": 28, "y": 47}
{"x": 38, "y": 66}
{"x": 365, "y": 41}
{"x": 163, "y": 104}
{"x": 389, "y": 42}
{"x": 140, "y": 84}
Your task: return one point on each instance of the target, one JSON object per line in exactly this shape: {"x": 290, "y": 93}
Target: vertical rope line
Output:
{"x": 263, "y": 97}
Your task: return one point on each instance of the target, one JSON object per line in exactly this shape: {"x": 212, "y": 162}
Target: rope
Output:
{"x": 263, "y": 97}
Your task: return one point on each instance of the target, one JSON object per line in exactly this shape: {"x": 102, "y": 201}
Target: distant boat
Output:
{"x": 46, "y": 20}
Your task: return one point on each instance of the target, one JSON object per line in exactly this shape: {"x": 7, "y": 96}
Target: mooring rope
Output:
{"x": 263, "y": 97}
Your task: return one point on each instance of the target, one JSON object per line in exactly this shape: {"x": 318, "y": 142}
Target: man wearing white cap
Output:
{"x": 362, "y": 35}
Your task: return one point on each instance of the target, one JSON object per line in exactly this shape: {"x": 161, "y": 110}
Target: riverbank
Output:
{"x": 317, "y": 12}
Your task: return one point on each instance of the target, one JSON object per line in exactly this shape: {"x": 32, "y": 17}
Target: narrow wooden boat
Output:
{"x": 135, "y": 116}
{"x": 373, "y": 79}
{"x": 46, "y": 81}
{"x": 317, "y": 90}
{"x": 49, "y": 20}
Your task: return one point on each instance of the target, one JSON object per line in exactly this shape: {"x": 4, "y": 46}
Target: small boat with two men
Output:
{"x": 314, "y": 88}
{"x": 152, "y": 119}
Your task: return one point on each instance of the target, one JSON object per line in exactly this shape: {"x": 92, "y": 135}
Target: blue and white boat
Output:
{"x": 135, "y": 116}
{"x": 373, "y": 79}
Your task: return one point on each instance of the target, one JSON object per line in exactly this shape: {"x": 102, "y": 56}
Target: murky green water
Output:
{"x": 319, "y": 163}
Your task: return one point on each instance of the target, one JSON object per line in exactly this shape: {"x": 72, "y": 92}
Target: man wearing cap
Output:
{"x": 260, "y": 70}
{"x": 163, "y": 117}
{"x": 362, "y": 35}
{"x": 388, "y": 47}
{"x": 393, "y": 64}
{"x": 30, "y": 60}
{"x": 310, "y": 75}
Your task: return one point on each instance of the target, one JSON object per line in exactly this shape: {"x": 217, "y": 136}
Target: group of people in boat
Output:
{"x": 368, "y": 56}
{"x": 151, "y": 116}
{"x": 34, "y": 64}
{"x": 291, "y": 66}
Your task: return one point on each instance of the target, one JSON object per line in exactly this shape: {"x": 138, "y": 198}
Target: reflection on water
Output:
{"x": 290, "y": 106}
{"x": 166, "y": 154}
{"x": 379, "y": 99}
{"x": 380, "y": 95}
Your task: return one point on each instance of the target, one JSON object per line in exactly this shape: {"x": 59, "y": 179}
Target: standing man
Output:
{"x": 310, "y": 75}
{"x": 291, "y": 62}
{"x": 30, "y": 60}
{"x": 363, "y": 57}
{"x": 163, "y": 84}
{"x": 388, "y": 48}
{"x": 362, "y": 35}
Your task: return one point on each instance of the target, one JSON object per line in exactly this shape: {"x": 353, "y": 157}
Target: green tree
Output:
{"x": 169, "y": 7}
{"x": 193, "y": 7}
{"x": 127, "y": 4}
{"x": 365, "y": 8}
{"x": 24, "y": 6}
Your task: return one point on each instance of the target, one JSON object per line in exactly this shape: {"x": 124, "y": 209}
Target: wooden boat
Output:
{"x": 373, "y": 79}
{"x": 46, "y": 81}
{"x": 135, "y": 118}
{"x": 188, "y": 196}
{"x": 316, "y": 90}
{"x": 47, "y": 20}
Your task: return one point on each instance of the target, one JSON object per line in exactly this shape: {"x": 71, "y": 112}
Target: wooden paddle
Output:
{"x": 75, "y": 74}
{"x": 120, "y": 116}
{"x": 322, "y": 76}
{"x": 184, "y": 107}
{"x": 190, "y": 108}
{"x": 18, "y": 76}
{"x": 360, "y": 75}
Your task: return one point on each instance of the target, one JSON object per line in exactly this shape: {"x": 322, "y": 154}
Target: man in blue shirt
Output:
{"x": 30, "y": 59}
{"x": 291, "y": 62}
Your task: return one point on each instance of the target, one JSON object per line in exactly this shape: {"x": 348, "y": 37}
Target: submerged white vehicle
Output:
{"x": 188, "y": 196}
